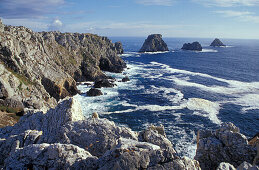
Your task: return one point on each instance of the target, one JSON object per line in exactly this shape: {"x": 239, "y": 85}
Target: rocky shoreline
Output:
{"x": 63, "y": 138}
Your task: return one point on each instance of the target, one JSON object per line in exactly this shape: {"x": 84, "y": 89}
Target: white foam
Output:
{"x": 158, "y": 52}
{"x": 248, "y": 101}
{"x": 209, "y": 51}
{"x": 211, "y": 109}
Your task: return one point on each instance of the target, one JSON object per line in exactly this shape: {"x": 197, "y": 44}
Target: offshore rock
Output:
{"x": 125, "y": 79}
{"x": 195, "y": 46}
{"x": 94, "y": 92}
{"x": 226, "y": 144}
{"x": 154, "y": 43}
{"x": 119, "y": 48}
{"x": 217, "y": 43}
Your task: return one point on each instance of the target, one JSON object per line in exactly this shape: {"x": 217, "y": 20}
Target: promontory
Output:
{"x": 154, "y": 43}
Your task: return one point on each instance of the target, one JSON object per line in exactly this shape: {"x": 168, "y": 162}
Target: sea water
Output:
{"x": 185, "y": 91}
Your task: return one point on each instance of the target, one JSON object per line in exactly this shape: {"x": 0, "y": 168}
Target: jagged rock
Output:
{"x": 100, "y": 135}
{"x": 50, "y": 156}
{"x": 217, "y": 43}
{"x": 247, "y": 166}
{"x": 94, "y": 92}
{"x": 125, "y": 79}
{"x": 195, "y": 46}
{"x": 119, "y": 48}
{"x": 103, "y": 83}
{"x": 223, "y": 145}
{"x": 154, "y": 43}
{"x": 225, "y": 166}
{"x": 178, "y": 164}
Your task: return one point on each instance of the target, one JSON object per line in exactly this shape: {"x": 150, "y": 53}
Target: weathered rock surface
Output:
{"x": 154, "y": 43}
{"x": 63, "y": 139}
{"x": 225, "y": 166}
{"x": 217, "y": 43}
{"x": 226, "y": 144}
{"x": 38, "y": 69}
{"x": 94, "y": 92}
{"x": 195, "y": 46}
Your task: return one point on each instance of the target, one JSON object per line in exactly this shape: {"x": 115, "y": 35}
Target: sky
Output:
{"x": 137, "y": 18}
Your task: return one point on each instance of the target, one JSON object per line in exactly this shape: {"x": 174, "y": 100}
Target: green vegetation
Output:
{"x": 10, "y": 109}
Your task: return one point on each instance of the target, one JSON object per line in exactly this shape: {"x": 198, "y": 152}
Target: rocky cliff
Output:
{"x": 195, "y": 46}
{"x": 154, "y": 43}
{"x": 217, "y": 43}
{"x": 38, "y": 69}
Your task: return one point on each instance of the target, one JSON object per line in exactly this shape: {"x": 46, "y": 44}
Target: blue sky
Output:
{"x": 172, "y": 18}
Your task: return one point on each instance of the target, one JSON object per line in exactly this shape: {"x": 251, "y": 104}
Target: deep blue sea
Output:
{"x": 183, "y": 90}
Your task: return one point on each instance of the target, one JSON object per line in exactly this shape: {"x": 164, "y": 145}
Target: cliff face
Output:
{"x": 37, "y": 68}
{"x": 154, "y": 43}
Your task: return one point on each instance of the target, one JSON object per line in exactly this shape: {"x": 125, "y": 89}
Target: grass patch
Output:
{"x": 10, "y": 109}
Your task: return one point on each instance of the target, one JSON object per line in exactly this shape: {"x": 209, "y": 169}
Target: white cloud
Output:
{"x": 228, "y": 3}
{"x": 155, "y": 2}
{"x": 244, "y": 16}
{"x": 56, "y": 25}
{"x": 27, "y": 8}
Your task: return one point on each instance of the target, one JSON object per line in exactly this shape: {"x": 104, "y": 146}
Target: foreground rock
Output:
{"x": 226, "y": 144}
{"x": 217, "y": 43}
{"x": 94, "y": 92}
{"x": 195, "y": 46}
{"x": 154, "y": 43}
{"x": 63, "y": 139}
{"x": 39, "y": 69}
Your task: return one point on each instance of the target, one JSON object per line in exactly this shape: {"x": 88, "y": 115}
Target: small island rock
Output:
{"x": 103, "y": 83}
{"x": 94, "y": 92}
{"x": 217, "y": 43}
{"x": 154, "y": 43}
{"x": 195, "y": 46}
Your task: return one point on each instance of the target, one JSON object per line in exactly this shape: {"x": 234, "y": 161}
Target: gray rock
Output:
{"x": 103, "y": 83}
{"x": 217, "y": 43}
{"x": 154, "y": 43}
{"x": 223, "y": 145}
{"x": 247, "y": 166}
{"x": 125, "y": 79}
{"x": 195, "y": 46}
{"x": 225, "y": 166}
{"x": 50, "y": 156}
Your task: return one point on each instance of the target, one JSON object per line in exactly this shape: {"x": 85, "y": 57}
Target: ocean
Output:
{"x": 185, "y": 91}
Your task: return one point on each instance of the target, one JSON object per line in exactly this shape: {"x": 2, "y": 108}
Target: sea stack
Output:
{"x": 195, "y": 46}
{"x": 154, "y": 43}
{"x": 217, "y": 43}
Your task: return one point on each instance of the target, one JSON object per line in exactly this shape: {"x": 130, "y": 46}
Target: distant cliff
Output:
{"x": 38, "y": 69}
{"x": 154, "y": 43}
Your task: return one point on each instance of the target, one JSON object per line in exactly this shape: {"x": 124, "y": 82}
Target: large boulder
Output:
{"x": 154, "y": 43}
{"x": 195, "y": 46}
{"x": 50, "y": 156}
{"x": 217, "y": 43}
{"x": 125, "y": 79}
{"x": 226, "y": 144}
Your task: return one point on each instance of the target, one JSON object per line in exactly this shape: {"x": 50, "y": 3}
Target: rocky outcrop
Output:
{"x": 63, "y": 139}
{"x": 226, "y": 144}
{"x": 217, "y": 43}
{"x": 94, "y": 92}
{"x": 154, "y": 43}
{"x": 195, "y": 46}
{"x": 119, "y": 48}
{"x": 125, "y": 79}
{"x": 39, "y": 69}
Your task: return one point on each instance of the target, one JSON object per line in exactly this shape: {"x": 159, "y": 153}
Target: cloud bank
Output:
{"x": 155, "y": 2}
{"x": 228, "y": 3}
